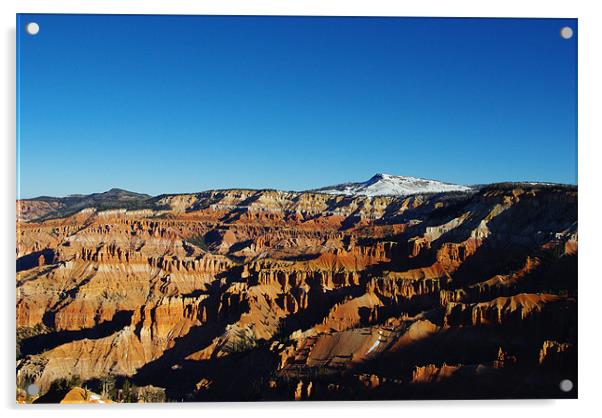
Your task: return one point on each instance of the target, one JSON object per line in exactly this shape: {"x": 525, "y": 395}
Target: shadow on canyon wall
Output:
{"x": 43, "y": 342}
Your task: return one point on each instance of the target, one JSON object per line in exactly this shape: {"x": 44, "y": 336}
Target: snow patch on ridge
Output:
{"x": 388, "y": 185}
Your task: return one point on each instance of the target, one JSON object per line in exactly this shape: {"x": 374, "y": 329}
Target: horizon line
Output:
{"x": 315, "y": 190}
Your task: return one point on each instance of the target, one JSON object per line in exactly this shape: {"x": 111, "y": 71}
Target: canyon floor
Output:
{"x": 247, "y": 295}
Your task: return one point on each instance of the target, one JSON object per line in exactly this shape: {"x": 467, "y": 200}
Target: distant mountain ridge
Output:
{"x": 382, "y": 184}
{"x": 46, "y": 206}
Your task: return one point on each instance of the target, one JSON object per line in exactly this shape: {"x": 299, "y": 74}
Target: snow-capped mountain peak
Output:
{"x": 382, "y": 184}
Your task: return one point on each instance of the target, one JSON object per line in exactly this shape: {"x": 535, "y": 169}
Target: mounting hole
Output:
{"x": 566, "y": 32}
{"x": 32, "y": 28}
{"x": 566, "y": 385}
{"x": 33, "y": 389}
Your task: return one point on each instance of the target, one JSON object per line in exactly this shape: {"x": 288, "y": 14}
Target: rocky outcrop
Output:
{"x": 79, "y": 395}
{"x": 433, "y": 374}
{"x": 502, "y": 310}
{"x": 553, "y": 353}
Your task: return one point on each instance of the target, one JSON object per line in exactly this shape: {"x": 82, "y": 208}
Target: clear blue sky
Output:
{"x": 169, "y": 104}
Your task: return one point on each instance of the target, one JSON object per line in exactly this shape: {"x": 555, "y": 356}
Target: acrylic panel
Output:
{"x": 268, "y": 208}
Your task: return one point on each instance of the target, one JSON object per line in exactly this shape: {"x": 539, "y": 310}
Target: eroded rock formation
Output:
{"x": 241, "y": 294}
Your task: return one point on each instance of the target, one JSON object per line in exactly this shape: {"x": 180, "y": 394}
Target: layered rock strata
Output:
{"x": 246, "y": 295}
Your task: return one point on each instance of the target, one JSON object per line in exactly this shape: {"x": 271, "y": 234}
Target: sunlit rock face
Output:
{"x": 265, "y": 295}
